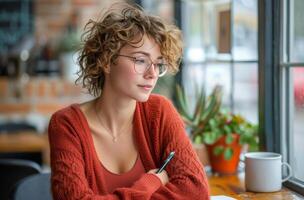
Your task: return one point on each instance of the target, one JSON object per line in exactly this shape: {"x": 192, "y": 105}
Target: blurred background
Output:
{"x": 38, "y": 50}
{"x": 39, "y": 41}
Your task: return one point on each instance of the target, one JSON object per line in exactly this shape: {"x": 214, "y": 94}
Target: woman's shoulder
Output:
{"x": 66, "y": 111}
{"x": 158, "y": 105}
{"x": 69, "y": 114}
{"x": 65, "y": 121}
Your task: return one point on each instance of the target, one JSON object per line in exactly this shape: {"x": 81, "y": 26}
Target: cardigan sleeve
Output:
{"x": 68, "y": 177}
{"x": 187, "y": 178}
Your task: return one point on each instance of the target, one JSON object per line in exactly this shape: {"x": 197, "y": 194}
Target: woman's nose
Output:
{"x": 151, "y": 72}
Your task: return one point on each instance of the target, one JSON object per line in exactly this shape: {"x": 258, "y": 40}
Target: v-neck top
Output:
{"x": 126, "y": 179}
{"x": 113, "y": 180}
{"x": 76, "y": 172}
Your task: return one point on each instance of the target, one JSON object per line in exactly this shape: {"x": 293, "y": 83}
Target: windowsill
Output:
{"x": 234, "y": 186}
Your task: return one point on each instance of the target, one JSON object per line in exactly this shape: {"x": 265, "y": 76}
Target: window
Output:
{"x": 292, "y": 77}
{"x": 221, "y": 48}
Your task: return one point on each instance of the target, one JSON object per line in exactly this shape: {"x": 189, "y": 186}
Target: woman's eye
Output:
{"x": 160, "y": 65}
{"x": 140, "y": 60}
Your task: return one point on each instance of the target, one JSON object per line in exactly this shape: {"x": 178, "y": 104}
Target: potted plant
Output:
{"x": 223, "y": 133}
{"x": 205, "y": 108}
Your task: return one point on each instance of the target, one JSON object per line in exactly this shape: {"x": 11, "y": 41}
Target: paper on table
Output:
{"x": 222, "y": 197}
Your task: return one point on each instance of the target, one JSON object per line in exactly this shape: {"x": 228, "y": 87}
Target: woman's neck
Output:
{"x": 114, "y": 111}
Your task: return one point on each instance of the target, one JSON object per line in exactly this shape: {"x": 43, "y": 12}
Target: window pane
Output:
{"x": 206, "y": 27}
{"x": 207, "y": 75}
{"x": 245, "y": 29}
{"x": 192, "y": 25}
{"x": 297, "y": 31}
{"x": 297, "y": 119}
{"x": 219, "y": 74}
{"x": 245, "y": 94}
{"x": 193, "y": 77}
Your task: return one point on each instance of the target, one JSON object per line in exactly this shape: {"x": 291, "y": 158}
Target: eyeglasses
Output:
{"x": 143, "y": 63}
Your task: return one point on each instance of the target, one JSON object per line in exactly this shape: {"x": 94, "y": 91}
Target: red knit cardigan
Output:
{"x": 158, "y": 129}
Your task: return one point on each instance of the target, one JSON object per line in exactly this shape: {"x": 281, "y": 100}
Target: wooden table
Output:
{"x": 25, "y": 142}
{"x": 234, "y": 186}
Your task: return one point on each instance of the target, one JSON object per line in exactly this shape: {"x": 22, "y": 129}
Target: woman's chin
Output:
{"x": 143, "y": 98}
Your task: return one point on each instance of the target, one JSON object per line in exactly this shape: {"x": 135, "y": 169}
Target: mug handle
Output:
{"x": 289, "y": 171}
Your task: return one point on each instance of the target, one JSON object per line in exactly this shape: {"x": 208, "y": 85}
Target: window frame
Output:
{"x": 274, "y": 115}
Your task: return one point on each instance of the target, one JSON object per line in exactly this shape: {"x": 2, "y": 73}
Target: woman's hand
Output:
{"x": 163, "y": 176}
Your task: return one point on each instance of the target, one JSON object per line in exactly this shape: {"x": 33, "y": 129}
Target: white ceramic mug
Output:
{"x": 263, "y": 171}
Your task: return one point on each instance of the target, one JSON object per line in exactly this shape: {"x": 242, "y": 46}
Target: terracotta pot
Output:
{"x": 218, "y": 163}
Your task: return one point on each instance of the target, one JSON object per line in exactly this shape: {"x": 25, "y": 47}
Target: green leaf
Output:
{"x": 218, "y": 150}
{"x": 187, "y": 121}
{"x": 229, "y": 139}
{"x": 212, "y": 123}
{"x": 209, "y": 108}
{"x": 228, "y": 152}
{"x": 182, "y": 102}
{"x": 227, "y": 129}
{"x": 180, "y": 96}
{"x": 199, "y": 108}
{"x": 213, "y": 105}
{"x": 198, "y": 139}
{"x": 203, "y": 102}
{"x": 209, "y": 137}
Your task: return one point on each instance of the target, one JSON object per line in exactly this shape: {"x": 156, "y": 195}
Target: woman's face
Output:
{"x": 125, "y": 81}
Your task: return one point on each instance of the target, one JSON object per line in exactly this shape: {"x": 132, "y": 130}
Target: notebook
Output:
{"x": 222, "y": 197}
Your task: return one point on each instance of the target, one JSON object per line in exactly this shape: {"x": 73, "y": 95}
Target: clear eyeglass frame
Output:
{"x": 143, "y": 67}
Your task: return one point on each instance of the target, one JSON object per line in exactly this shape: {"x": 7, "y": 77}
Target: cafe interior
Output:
{"x": 243, "y": 58}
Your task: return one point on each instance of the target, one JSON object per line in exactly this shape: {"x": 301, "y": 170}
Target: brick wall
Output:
{"x": 34, "y": 99}
{"x": 52, "y": 16}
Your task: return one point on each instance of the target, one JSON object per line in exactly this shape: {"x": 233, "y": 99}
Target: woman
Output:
{"x": 111, "y": 147}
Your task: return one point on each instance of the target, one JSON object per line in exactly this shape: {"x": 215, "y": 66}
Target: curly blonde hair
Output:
{"x": 103, "y": 40}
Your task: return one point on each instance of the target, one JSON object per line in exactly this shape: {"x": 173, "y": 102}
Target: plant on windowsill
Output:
{"x": 223, "y": 133}
{"x": 205, "y": 108}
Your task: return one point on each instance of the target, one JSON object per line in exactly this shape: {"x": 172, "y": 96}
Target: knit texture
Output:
{"x": 158, "y": 129}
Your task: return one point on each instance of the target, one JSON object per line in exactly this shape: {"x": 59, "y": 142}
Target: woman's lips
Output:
{"x": 146, "y": 87}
